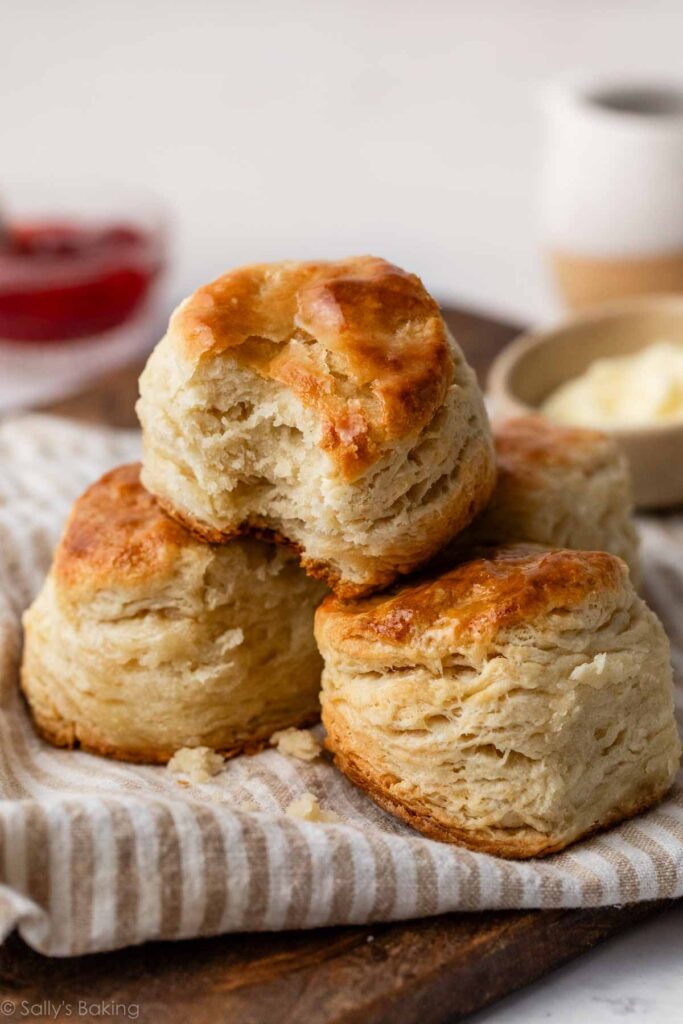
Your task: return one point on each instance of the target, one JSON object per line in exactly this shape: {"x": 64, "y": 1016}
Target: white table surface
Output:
{"x": 634, "y": 977}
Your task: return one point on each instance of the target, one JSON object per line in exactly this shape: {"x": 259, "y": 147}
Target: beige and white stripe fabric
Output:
{"x": 96, "y": 855}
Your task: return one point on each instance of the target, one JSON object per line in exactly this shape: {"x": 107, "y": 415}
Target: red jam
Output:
{"x": 62, "y": 281}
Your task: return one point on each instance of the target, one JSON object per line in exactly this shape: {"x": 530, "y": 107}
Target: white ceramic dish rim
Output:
{"x": 498, "y": 381}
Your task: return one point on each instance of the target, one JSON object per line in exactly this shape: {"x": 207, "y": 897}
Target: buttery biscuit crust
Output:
{"x": 144, "y": 639}
{"x": 323, "y": 405}
{"x": 317, "y": 569}
{"x": 562, "y": 487}
{"x": 72, "y": 736}
{"x": 473, "y": 600}
{"x": 530, "y": 444}
{"x": 513, "y": 844}
{"x": 117, "y": 533}
{"x": 359, "y": 340}
{"x": 512, "y": 704}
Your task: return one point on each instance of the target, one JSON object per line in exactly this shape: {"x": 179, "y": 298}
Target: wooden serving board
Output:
{"x": 428, "y": 971}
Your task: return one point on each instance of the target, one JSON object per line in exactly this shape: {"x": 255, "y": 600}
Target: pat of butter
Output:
{"x": 623, "y": 391}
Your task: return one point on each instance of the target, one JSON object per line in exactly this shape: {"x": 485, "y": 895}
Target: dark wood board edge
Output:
{"x": 434, "y": 970}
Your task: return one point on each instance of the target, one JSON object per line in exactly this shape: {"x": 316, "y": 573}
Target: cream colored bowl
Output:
{"x": 533, "y": 365}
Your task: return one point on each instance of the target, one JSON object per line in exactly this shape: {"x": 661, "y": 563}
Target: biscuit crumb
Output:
{"x": 296, "y": 743}
{"x": 232, "y": 638}
{"x": 307, "y": 808}
{"x": 219, "y": 796}
{"x": 197, "y": 763}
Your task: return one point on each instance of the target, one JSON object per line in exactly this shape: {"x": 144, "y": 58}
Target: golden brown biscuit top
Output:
{"x": 117, "y": 535}
{"x": 473, "y": 601}
{"x": 358, "y": 340}
{"x": 531, "y": 445}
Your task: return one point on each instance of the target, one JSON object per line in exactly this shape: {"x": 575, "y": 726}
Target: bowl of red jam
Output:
{"x": 78, "y": 269}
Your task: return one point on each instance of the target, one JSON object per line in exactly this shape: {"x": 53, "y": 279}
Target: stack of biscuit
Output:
{"x": 323, "y": 516}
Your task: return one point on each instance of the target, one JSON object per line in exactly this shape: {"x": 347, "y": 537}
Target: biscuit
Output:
{"x": 563, "y": 487}
{"x": 512, "y": 705}
{"x": 145, "y": 640}
{"x": 323, "y": 405}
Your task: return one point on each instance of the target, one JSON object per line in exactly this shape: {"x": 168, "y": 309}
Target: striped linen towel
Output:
{"x": 96, "y": 855}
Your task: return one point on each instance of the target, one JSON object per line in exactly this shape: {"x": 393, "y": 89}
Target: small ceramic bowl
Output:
{"x": 533, "y": 365}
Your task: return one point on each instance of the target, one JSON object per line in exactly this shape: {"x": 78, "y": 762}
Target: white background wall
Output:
{"x": 408, "y": 128}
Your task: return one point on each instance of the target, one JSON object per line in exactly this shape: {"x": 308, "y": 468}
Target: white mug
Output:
{"x": 612, "y": 188}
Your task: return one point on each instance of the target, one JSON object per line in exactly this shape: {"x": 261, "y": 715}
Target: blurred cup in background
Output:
{"x": 612, "y": 189}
